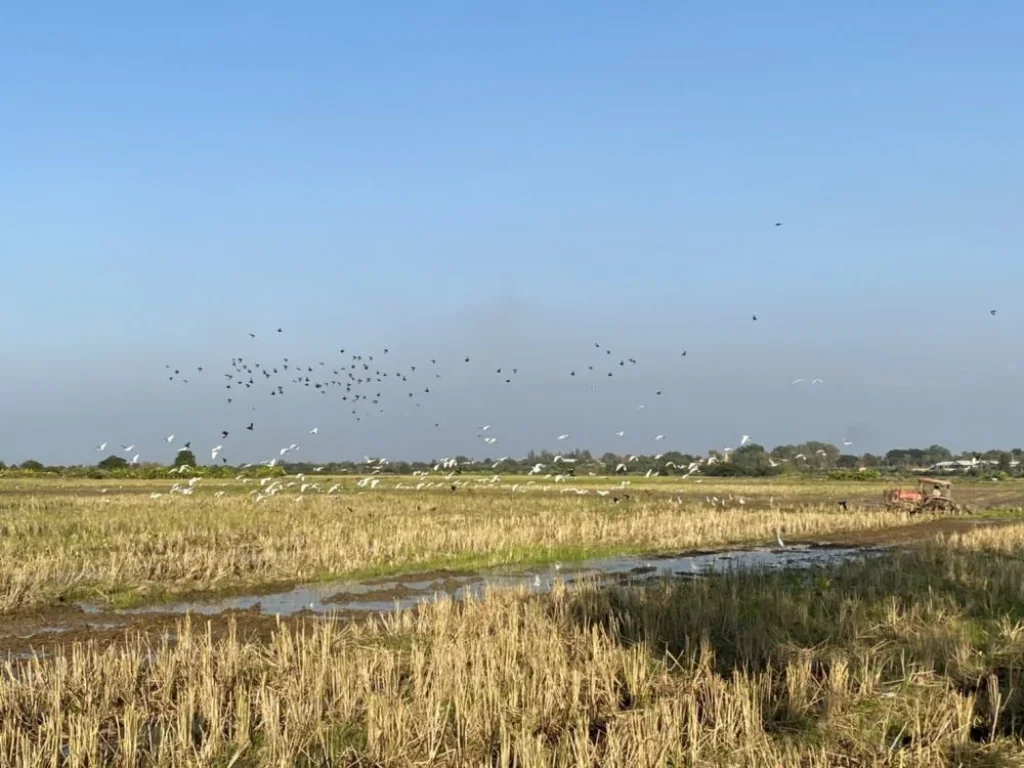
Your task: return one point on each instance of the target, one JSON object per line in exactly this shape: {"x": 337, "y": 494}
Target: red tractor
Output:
{"x": 938, "y": 499}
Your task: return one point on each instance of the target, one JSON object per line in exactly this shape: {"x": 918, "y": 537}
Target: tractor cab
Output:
{"x": 933, "y": 488}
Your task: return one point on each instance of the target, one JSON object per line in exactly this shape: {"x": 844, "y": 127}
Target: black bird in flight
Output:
{"x": 250, "y": 427}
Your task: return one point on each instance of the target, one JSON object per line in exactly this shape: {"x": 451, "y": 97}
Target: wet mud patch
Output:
{"x": 48, "y": 632}
{"x": 381, "y": 595}
{"x": 259, "y": 612}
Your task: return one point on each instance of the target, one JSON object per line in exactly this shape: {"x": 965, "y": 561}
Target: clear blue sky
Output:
{"x": 515, "y": 184}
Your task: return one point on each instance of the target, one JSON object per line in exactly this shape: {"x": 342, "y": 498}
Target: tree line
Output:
{"x": 751, "y": 460}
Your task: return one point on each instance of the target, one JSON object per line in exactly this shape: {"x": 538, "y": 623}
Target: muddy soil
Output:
{"x": 908, "y": 535}
{"x": 46, "y": 632}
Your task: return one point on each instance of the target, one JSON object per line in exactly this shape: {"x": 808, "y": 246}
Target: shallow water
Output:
{"x": 381, "y": 595}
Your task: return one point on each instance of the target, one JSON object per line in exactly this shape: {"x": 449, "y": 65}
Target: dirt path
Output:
{"x": 908, "y": 535}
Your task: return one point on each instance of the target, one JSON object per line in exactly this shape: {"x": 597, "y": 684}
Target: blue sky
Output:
{"x": 513, "y": 183}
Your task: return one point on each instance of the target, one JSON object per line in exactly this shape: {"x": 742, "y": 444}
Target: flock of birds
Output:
{"x": 367, "y": 383}
{"x": 373, "y": 383}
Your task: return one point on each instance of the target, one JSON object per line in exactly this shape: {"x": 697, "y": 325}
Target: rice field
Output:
{"x": 914, "y": 659}
{"x": 908, "y": 658}
{"x": 58, "y": 546}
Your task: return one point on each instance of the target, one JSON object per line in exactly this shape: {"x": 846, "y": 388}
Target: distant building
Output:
{"x": 961, "y": 466}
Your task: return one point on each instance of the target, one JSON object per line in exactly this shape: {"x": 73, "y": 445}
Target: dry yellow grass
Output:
{"x": 55, "y": 547}
{"x": 1004, "y": 539}
{"x": 913, "y": 659}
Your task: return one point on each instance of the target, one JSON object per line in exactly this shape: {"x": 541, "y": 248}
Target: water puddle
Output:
{"x": 383, "y": 595}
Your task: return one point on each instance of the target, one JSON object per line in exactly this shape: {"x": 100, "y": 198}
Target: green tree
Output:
{"x": 724, "y": 469}
{"x": 185, "y": 458}
{"x": 751, "y": 458}
{"x": 32, "y": 464}
{"x": 113, "y": 462}
{"x": 1005, "y": 461}
{"x": 847, "y": 461}
{"x": 870, "y": 461}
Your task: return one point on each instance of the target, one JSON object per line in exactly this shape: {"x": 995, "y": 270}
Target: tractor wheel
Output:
{"x": 938, "y": 504}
